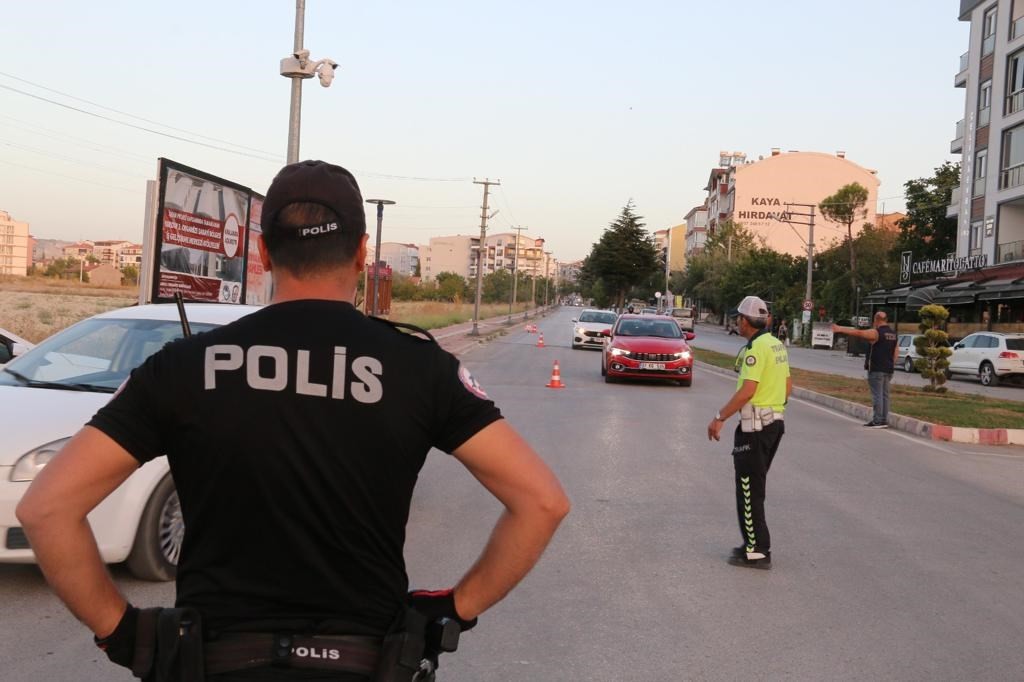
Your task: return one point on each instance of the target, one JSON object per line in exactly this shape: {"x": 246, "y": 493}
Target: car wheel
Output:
{"x": 987, "y": 374}
{"x": 608, "y": 379}
{"x": 908, "y": 365}
{"x": 688, "y": 382}
{"x": 154, "y": 554}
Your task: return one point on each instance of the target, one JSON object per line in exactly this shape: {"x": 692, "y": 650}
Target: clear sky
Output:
{"x": 576, "y": 106}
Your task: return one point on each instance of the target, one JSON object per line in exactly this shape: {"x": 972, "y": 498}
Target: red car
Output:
{"x": 647, "y": 347}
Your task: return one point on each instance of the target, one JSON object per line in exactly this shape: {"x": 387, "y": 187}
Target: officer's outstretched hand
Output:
{"x": 119, "y": 645}
{"x": 715, "y": 430}
{"x": 437, "y": 604}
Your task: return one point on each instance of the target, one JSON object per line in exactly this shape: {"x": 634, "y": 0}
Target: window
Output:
{"x": 984, "y": 103}
{"x": 980, "y": 173}
{"x": 1012, "y": 158}
{"x": 975, "y": 238}
{"x": 988, "y": 32}
{"x": 1015, "y": 82}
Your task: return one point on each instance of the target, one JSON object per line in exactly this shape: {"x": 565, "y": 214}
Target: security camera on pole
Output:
{"x": 298, "y": 66}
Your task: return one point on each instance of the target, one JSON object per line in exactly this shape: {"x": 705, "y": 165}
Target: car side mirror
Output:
{"x": 575, "y": 319}
{"x": 690, "y": 336}
{"x": 18, "y": 348}
{"x": 957, "y": 345}
{"x": 606, "y": 332}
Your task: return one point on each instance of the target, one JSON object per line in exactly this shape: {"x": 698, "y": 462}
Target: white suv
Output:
{"x": 990, "y": 356}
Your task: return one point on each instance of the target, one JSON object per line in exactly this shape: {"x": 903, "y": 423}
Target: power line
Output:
{"x": 68, "y": 177}
{"x": 137, "y": 127}
{"x": 129, "y": 115}
{"x": 95, "y": 146}
{"x": 61, "y": 157}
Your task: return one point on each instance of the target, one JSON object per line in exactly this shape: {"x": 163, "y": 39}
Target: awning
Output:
{"x": 1002, "y": 289}
{"x": 919, "y": 298}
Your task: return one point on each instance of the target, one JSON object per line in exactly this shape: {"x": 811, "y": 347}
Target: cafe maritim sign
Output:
{"x": 951, "y": 265}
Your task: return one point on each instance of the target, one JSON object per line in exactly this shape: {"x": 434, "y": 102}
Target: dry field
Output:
{"x": 35, "y": 308}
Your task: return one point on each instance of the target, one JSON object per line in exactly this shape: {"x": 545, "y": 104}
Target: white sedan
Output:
{"x": 11, "y": 346}
{"x": 53, "y": 389}
{"x": 588, "y": 329}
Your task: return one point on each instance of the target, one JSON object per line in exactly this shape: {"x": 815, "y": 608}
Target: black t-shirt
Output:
{"x": 295, "y": 436}
{"x": 880, "y": 357}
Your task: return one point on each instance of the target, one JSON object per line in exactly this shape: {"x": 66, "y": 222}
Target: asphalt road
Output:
{"x": 712, "y": 337}
{"x": 895, "y": 558}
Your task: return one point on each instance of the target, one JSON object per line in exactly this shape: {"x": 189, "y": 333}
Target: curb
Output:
{"x": 917, "y": 427}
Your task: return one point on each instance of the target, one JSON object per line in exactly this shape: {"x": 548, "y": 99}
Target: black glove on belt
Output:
{"x": 437, "y": 604}
{"x": 119, "y": 645}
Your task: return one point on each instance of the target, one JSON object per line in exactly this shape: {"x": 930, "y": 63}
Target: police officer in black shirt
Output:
{"x": 880, "y": 363}
{"x": 295, "y": 436}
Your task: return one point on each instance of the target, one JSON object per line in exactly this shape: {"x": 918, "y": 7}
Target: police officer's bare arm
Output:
{"x": 53, "y": 512}
{"x": 869, "y": 334}
{"x": 534, "y": 506}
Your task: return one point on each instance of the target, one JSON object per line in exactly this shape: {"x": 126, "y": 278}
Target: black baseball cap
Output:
{"x": 316, "y": 182}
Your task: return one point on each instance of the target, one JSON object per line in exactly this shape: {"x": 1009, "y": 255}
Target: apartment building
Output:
{"x": 78, "y": 250}
{"x": 15, "y": 246}
{"x": 108, "y": 251}
{"x": 129, "y": 255}
{"x": 696, "y": 229}
{"x": 756, "y": 194}
{"x": 401, "y": 258}
{"x": 989, "y": 205}
{"x": 456, "y": 253}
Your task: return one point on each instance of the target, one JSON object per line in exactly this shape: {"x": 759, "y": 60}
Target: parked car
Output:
{"x": 683, "y": 317}
{"x": 907, "y": 353}
{"x": 11, "y": 346}
{"x": 649, "y": 311}
{"x": 990, "y": 356}
{"x": 52, "y": 390}
{"x": 588, "y": 328}
{"x": 647, "y": 347}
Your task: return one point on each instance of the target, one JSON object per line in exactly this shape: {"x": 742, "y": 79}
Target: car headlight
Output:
{"x": 580, "y": 331}
{"x": 33, "y": 461}
{"x": 683, "y": 355}
{"x": 619, "y": 351}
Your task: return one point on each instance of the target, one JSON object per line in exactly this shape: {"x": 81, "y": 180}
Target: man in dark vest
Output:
{"x": 879, "y": 362}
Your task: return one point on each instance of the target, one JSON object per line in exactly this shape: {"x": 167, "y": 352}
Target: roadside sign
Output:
{"x": 821, "y": 335}
{"x": 806, "y": 316}
{"x": 808, "y": 304}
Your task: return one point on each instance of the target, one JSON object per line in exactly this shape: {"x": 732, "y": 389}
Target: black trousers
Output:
{"x": 752, "y": 456}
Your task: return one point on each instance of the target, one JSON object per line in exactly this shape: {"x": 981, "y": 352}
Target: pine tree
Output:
{"x": 624, "y": 257}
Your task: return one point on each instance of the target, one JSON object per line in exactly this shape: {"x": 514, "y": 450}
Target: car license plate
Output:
{"x": 652, "y": 365}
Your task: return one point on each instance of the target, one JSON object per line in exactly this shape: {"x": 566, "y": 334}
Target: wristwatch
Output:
{"x": 718, "y": 417}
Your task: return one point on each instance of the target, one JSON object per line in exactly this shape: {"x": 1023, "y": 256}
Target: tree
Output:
{"x": 451, "y": 287}
{"x": 706, "y": 272}
{"x": 497, "y": 286}
{"x": 933, "y": 347}
{"x": 403, "y": 288}
{"x": 926, "y": 230}
{"x": 846, "y": 207}
{"x": 130, "y": 275}
{"x": 624, "y": 257}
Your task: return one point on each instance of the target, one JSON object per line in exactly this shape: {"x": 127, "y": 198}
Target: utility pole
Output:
{"x": 810, "y": 256}
{"x": 668, "y": 262}
{"x": 381, "y": 203}
{"x": 486, "y": 182}
{"x": 547, "y": 275}
{"x": 515, "y": 272}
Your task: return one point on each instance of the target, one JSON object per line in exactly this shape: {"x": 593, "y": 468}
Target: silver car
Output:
{"x": 907, "y": 353}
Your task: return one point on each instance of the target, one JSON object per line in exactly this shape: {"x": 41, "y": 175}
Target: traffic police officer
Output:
{"x": 295, "y": 436}
{"x": 762, "y": 392}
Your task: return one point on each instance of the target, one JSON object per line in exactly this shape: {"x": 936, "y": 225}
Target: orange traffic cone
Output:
{"x": 540, "y": 340}
{"x": 556, "y": 377}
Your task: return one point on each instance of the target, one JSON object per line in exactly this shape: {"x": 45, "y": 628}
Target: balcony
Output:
{"x": 1014, "y": 102}
{"x": 1012, "y": 251}
{"x": 957, "y": 145}
{"x": 953, "y": 210}
{"x": 960, "y": 80}
{"x": 1011, "y": 177}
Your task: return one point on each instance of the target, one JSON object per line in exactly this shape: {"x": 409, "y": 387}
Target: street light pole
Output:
{"x": 376, "y": 250}
{"x": 515, "y": 273}
{"x": 298, "y": 66}
{"x": 547, "y": 275}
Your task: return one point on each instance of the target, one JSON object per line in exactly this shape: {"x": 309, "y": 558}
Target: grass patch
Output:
{"x": 950, "y": 408}
{"x": 435, "y": 315}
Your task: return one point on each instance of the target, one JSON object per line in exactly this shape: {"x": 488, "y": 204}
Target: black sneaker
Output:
{"x": 760, "y": 560}
{"x": 870, "y": 424}
{"x": 739, "y": 551}
{"x": 880, "y": 425}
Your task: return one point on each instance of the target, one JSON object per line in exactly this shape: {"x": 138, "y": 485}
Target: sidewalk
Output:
{"x": 457, "y": 338}
{"x": 952, "y": 434}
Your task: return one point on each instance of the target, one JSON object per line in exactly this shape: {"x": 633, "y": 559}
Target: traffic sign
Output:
{"x": 808, "y": 304}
